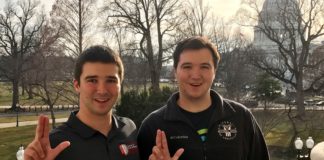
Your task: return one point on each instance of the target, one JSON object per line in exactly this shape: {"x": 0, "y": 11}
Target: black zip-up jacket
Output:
{"x": 233, "y": 133}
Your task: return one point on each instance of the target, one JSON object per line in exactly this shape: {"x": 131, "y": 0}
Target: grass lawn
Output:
{"x": 32, "y": 117}
{"x": 6, "y": 96}
{"x": 12, "y": 138}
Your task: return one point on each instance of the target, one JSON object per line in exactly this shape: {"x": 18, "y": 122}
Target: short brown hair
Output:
{"x": 195, "y": 43}
{"x": 98, "y": 54}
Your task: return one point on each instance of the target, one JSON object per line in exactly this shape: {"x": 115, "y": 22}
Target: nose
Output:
{"x": 101, "y": 87}
{"x": 195, "y": 73}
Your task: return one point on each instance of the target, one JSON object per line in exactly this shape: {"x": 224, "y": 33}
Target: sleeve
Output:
{"x": 146, "y": 140}
{"x": 258, "y": 148}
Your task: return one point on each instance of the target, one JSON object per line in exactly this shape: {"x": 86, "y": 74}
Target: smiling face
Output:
{"x": 195, "y": 73}
{"x": 99, "y": 87}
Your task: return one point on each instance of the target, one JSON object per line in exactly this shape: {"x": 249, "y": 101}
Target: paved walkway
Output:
{"x": 27, "y": 123}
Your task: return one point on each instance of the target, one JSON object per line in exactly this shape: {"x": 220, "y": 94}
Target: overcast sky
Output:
{"x": 221, "y": 8}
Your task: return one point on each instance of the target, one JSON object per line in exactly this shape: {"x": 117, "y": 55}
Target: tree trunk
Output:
{"x": 52, "y": 115}
{"x": 154, "y": 73}
{"x": 30, "y": 92}
{"x": 300, "y": 96}
{"x": 15, "y": 85}
{"x": 80, "y": 27}
{"x": 23, "y": 88}
{"x": 155, "y": 81}
{"x": 294, "y": 129}
{"x": 15, "y": 94}
{"x": 156, "y": 85}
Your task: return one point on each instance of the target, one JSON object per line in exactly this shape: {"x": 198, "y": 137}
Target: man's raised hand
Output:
{"x": 40, "y": 148}
{"x": 161, "y": 151}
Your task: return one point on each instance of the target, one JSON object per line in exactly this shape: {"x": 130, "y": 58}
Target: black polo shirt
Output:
{"x": 87, "y": 143}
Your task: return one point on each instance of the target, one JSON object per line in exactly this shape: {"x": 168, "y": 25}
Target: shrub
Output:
{"x": 137, "y": 105}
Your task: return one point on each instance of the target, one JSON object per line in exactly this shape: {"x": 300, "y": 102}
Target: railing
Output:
{"x": 39, "y": 108}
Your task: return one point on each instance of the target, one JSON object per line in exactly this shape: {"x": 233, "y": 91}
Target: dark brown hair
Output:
{"x": 98, "y": 54}
{"x": 195, "y": 43}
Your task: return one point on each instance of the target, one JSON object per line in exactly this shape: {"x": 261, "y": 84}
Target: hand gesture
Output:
{"x": 40, "y": 148}
{"x": 161, "y": 151}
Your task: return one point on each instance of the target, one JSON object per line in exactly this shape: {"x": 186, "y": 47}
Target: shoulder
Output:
{"x": 126, "y": 121}
{"x": 153, "y": 120}
{"x": 238, "y": 107}
{"x": 239, "y": 110}
{"x": 59, "y": 134}
{"x": 228, "y": 105}
{"x": 126, "y": 126}
{"x": 156, "y": 115}
{"x": 61, "y": 129}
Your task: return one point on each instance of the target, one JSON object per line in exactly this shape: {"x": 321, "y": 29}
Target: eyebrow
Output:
{"x": 202, "y": 64}
{"x": 108, "y": 77}
{"x": 205, "y": 64}
{"x": 186, "y": 63}
{"x": 112, "y": 77}
{"x": 90, "y": 77}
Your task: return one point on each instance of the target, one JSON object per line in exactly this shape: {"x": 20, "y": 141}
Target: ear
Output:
{"x": 76, "y": 85}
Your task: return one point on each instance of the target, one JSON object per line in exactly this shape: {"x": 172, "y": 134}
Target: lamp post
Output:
{"x": 299, "y": 146}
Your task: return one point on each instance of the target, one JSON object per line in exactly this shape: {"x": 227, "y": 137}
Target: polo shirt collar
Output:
{"x": 116, "y": 128}
{"x": 85, "y": 131}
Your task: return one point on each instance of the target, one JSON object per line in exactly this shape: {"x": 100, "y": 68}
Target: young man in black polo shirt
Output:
{"x": 197, "y": 120}
{"x": 93, "y": 132}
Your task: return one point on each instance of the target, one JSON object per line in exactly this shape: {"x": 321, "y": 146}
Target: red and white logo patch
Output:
{"x": 128, "y": 149}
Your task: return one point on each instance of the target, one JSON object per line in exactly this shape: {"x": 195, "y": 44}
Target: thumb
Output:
{"x": 59, "y": 148}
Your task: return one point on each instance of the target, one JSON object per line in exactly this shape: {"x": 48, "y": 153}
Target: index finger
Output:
{"x": 40, "y": 127}
{"x": 46, "y": 127}
{"x": 165, "y": 144}
{"x": 158, "y": 139}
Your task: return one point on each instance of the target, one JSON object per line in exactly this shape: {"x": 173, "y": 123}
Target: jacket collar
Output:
{"x": 222, "y": 110}
{"x": 86, "y": 132}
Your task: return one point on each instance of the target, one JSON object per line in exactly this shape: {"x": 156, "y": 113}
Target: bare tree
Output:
{"x": 232, "y": 44}
{"x": 196, "y": 15}
{"x": 118, "y": 36}
{"x": 48, "y": 85}
{"x": 19, "y": 28}
{"x": 234, "y": 67}
{"x": 291, "y": 29}
{"x": 76, "y": 18}
{"x": 152, "y": 21}
{"x": 51, "y": 79}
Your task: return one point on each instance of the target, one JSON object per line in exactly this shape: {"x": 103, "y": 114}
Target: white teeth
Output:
{"x": 101, "y": 100}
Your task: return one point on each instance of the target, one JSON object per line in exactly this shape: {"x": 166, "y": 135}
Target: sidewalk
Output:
{"x": 27, "y": 123}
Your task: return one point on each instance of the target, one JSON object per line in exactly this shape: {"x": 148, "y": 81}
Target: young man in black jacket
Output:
{"x": 197, "y": 119}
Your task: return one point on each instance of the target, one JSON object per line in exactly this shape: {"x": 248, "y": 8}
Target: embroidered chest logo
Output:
{"x": 178, "y": 137}
{"x": 127, "y": 149}
{"x": 227, "y": 130}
